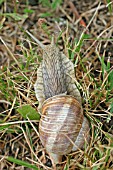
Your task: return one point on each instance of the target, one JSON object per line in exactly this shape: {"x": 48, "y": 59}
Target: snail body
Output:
{"x": 62, "y": 127}
{"x": 55, "y": 75}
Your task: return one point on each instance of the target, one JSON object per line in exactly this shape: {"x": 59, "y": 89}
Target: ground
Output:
{"x": 83, "y": 30}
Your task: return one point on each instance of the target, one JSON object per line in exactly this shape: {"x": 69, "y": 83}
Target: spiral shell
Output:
{"x": 60, "y": 124}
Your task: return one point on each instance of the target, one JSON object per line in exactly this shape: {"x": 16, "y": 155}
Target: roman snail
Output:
{"x": 62, "y": 127}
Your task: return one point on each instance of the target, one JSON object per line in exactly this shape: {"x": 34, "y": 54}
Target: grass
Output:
{"x": 91, "y": 54}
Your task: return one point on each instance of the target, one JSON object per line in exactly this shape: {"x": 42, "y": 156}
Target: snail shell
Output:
{"x": 60, "y": 124}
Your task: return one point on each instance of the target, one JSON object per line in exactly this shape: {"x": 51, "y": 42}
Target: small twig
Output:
{"x": 98, "y": 39}
{"x": 88, "y": 26}
{"x": 30, "y": 147}
{"x": 6, "y": 102}
{"x": 93, "y": 10}
{"x": 74, "y": 10}
{"x": 17, "y": 122}
{"x": 33, "y": 127}
{"x": 10, "y": 109}
{"x": 10, "y": 53}
{"x": 35, "y": 39}
{"x": 12, "y": 56}
{"x": 65, "y": 13}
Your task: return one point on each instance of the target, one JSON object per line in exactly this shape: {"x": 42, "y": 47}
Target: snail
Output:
{"x": 62, "y": 127}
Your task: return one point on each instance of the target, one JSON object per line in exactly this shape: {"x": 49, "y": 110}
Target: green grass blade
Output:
{"x": 20, "y": 162}
{"x": 109, "y": 6}
{"x": 4, "y": 127}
